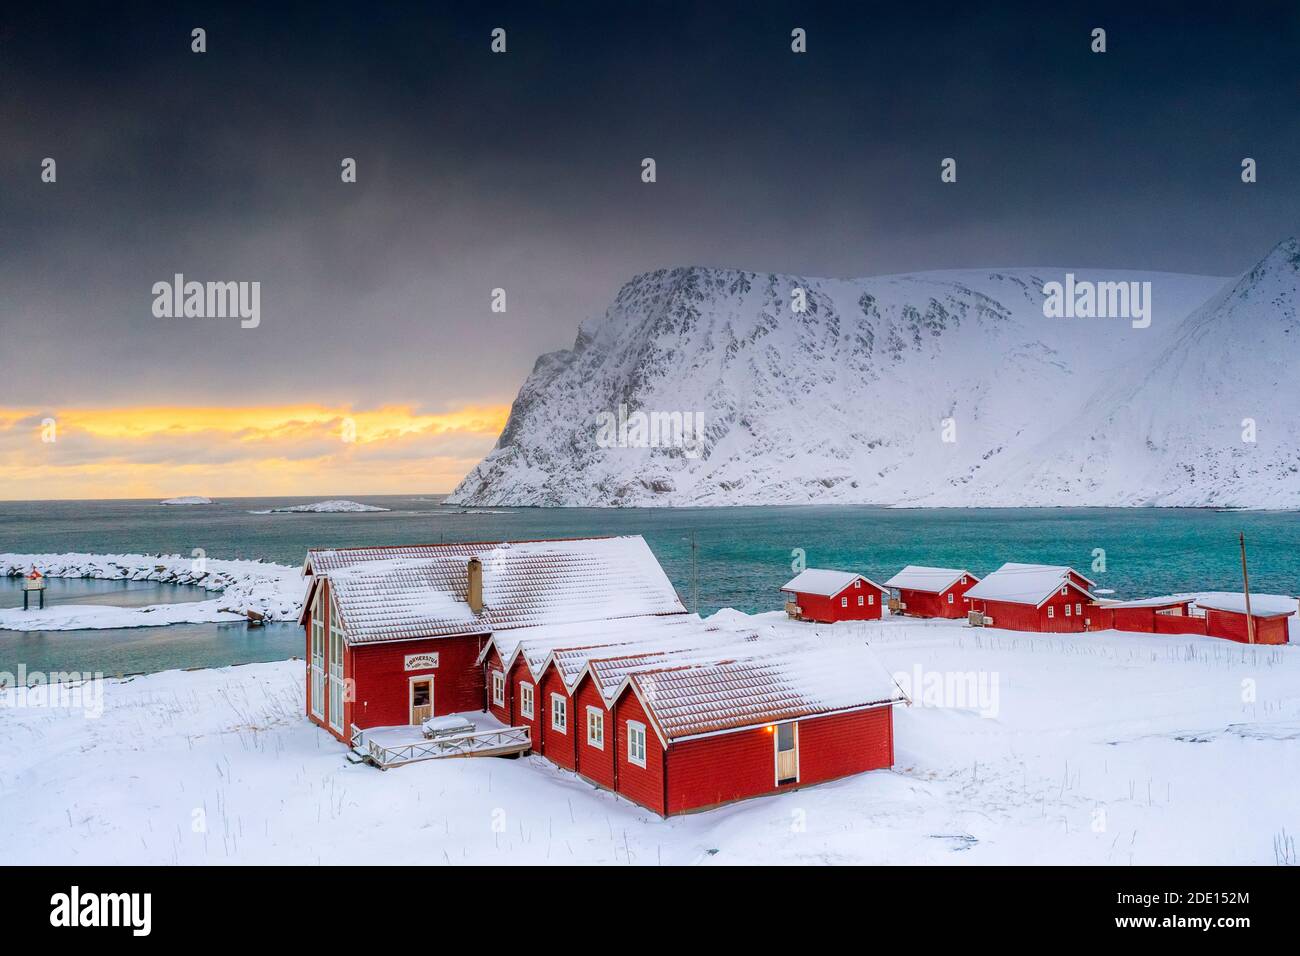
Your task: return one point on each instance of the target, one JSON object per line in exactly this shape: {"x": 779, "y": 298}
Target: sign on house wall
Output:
{"x": 419, "y": 662}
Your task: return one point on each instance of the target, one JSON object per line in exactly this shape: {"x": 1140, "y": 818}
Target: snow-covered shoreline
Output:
{"x": 248, "y": 589}
{"x": 1090, "y": 749}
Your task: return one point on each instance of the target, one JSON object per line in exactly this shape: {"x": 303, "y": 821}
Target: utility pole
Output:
{"x": 694, "y": 572}
{"x": 1245, "y": 582}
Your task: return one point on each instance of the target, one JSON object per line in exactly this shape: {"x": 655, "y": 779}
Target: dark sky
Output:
{"x": 522, "y": 171}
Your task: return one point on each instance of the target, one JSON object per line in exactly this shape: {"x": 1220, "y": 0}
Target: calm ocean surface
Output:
{"x": 743, "y": 555}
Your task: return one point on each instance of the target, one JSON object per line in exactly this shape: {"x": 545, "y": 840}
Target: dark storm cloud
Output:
{"x": 522, "y": 171}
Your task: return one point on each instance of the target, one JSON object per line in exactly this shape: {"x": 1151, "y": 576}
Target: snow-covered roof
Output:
{"x": 413, "y": 591}
{"x": 730, "y": 695}
{"x": 1024, "y": 584}
{"x": 1261, "y": 605}
{"x": 1166, "y": 601}
{"x": 824, "y": 582}
{"x": 916, "y": 577}
{"x": 1063, "y": 568}
{"x": 536, "y": 644}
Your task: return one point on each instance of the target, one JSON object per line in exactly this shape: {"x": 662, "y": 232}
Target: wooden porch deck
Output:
{"x": 386, "y": 747}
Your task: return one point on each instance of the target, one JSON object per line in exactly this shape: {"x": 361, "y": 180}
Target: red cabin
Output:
{"x": 1147, "y": 616}
{"x": 829, "y": 596}
{"x": 581, "y": 651}
{"x": 677, "y": 737}
{"x": 932, "y": 592}
{"x": 395, "y": 634}
{"x": 1033, "y": 597}
{"x": 1225, "y": 616}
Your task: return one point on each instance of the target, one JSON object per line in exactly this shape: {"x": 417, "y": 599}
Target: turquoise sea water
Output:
{"x": 742, "y": 555}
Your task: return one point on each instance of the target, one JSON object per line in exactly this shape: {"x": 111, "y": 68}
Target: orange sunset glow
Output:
{"x": 243, "y": 451}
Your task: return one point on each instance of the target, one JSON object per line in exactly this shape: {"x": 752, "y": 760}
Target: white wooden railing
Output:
{"x": 471, "y": 744}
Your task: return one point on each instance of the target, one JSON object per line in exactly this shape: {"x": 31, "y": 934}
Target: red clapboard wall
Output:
{"x": 594, "y": 763}
{"x": 828, "y": 610}
{"x": 382, "y": 681}
{"x": 1232, "y": 625}
{"x": 505, "y": 711}
{"x": 930, "y": 604}
{"x": 643, "y": 785}
{"x": 557, "y": 746}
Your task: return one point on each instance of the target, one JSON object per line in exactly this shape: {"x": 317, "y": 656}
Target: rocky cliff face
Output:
{"x": 934, "y": 389}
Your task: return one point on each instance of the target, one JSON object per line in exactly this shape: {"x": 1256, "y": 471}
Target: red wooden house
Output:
{"x": 395, "y": 634}
{"x": 829, "y": 596}
{"x": 1225, "y": 616}
{"x": 679, "y": 736}
{"x": 585, "y": 644}
{"x": 1033, "y": 597}
{"x": 932, "y": 592}
{"x": 1166, "y": 615}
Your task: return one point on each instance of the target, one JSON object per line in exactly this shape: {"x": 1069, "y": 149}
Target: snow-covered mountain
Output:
{"x": 933, "y": 389}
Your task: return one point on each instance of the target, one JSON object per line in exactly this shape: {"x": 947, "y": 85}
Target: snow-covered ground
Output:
{"x": 1100, "y": 748}
{"x": 273, "y": 591}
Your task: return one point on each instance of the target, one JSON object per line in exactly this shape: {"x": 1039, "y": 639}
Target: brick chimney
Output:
{"x": 475, "y": 591}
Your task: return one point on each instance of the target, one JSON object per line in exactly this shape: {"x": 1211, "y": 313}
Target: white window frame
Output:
{"x": 963, "y": 579}
{"x": 560, "y": 710}
{"x": 951, "y": 598}
{"x": 1067, "y": 608}
{"x": 1051, "y": 611}
{"x": 499, "y": 688}
{"x": 857, "y": 585}
{"x": 596, "y": 722}
{"x": 317, "y": 662}
{"x": 1078, "y": 609}
{"x": 525, "y": 699}
{"x": 844, "y": 602}
{"x": 336, "y": 653}
{"x": 636, "y": 743}
{"x": 861, "y": 601}
{"x": 871, "y": 600}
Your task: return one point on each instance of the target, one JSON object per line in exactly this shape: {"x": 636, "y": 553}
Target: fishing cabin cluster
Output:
{"x": 1034, "y": 597}
{"x": 581, "y": 651}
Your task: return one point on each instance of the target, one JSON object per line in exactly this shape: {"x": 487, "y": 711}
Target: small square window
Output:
{"x": 498, "y": 688}
{"x": 595, "y": 728}
{"x": 636, "y": 743}
{"x": 857, "y": 584}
